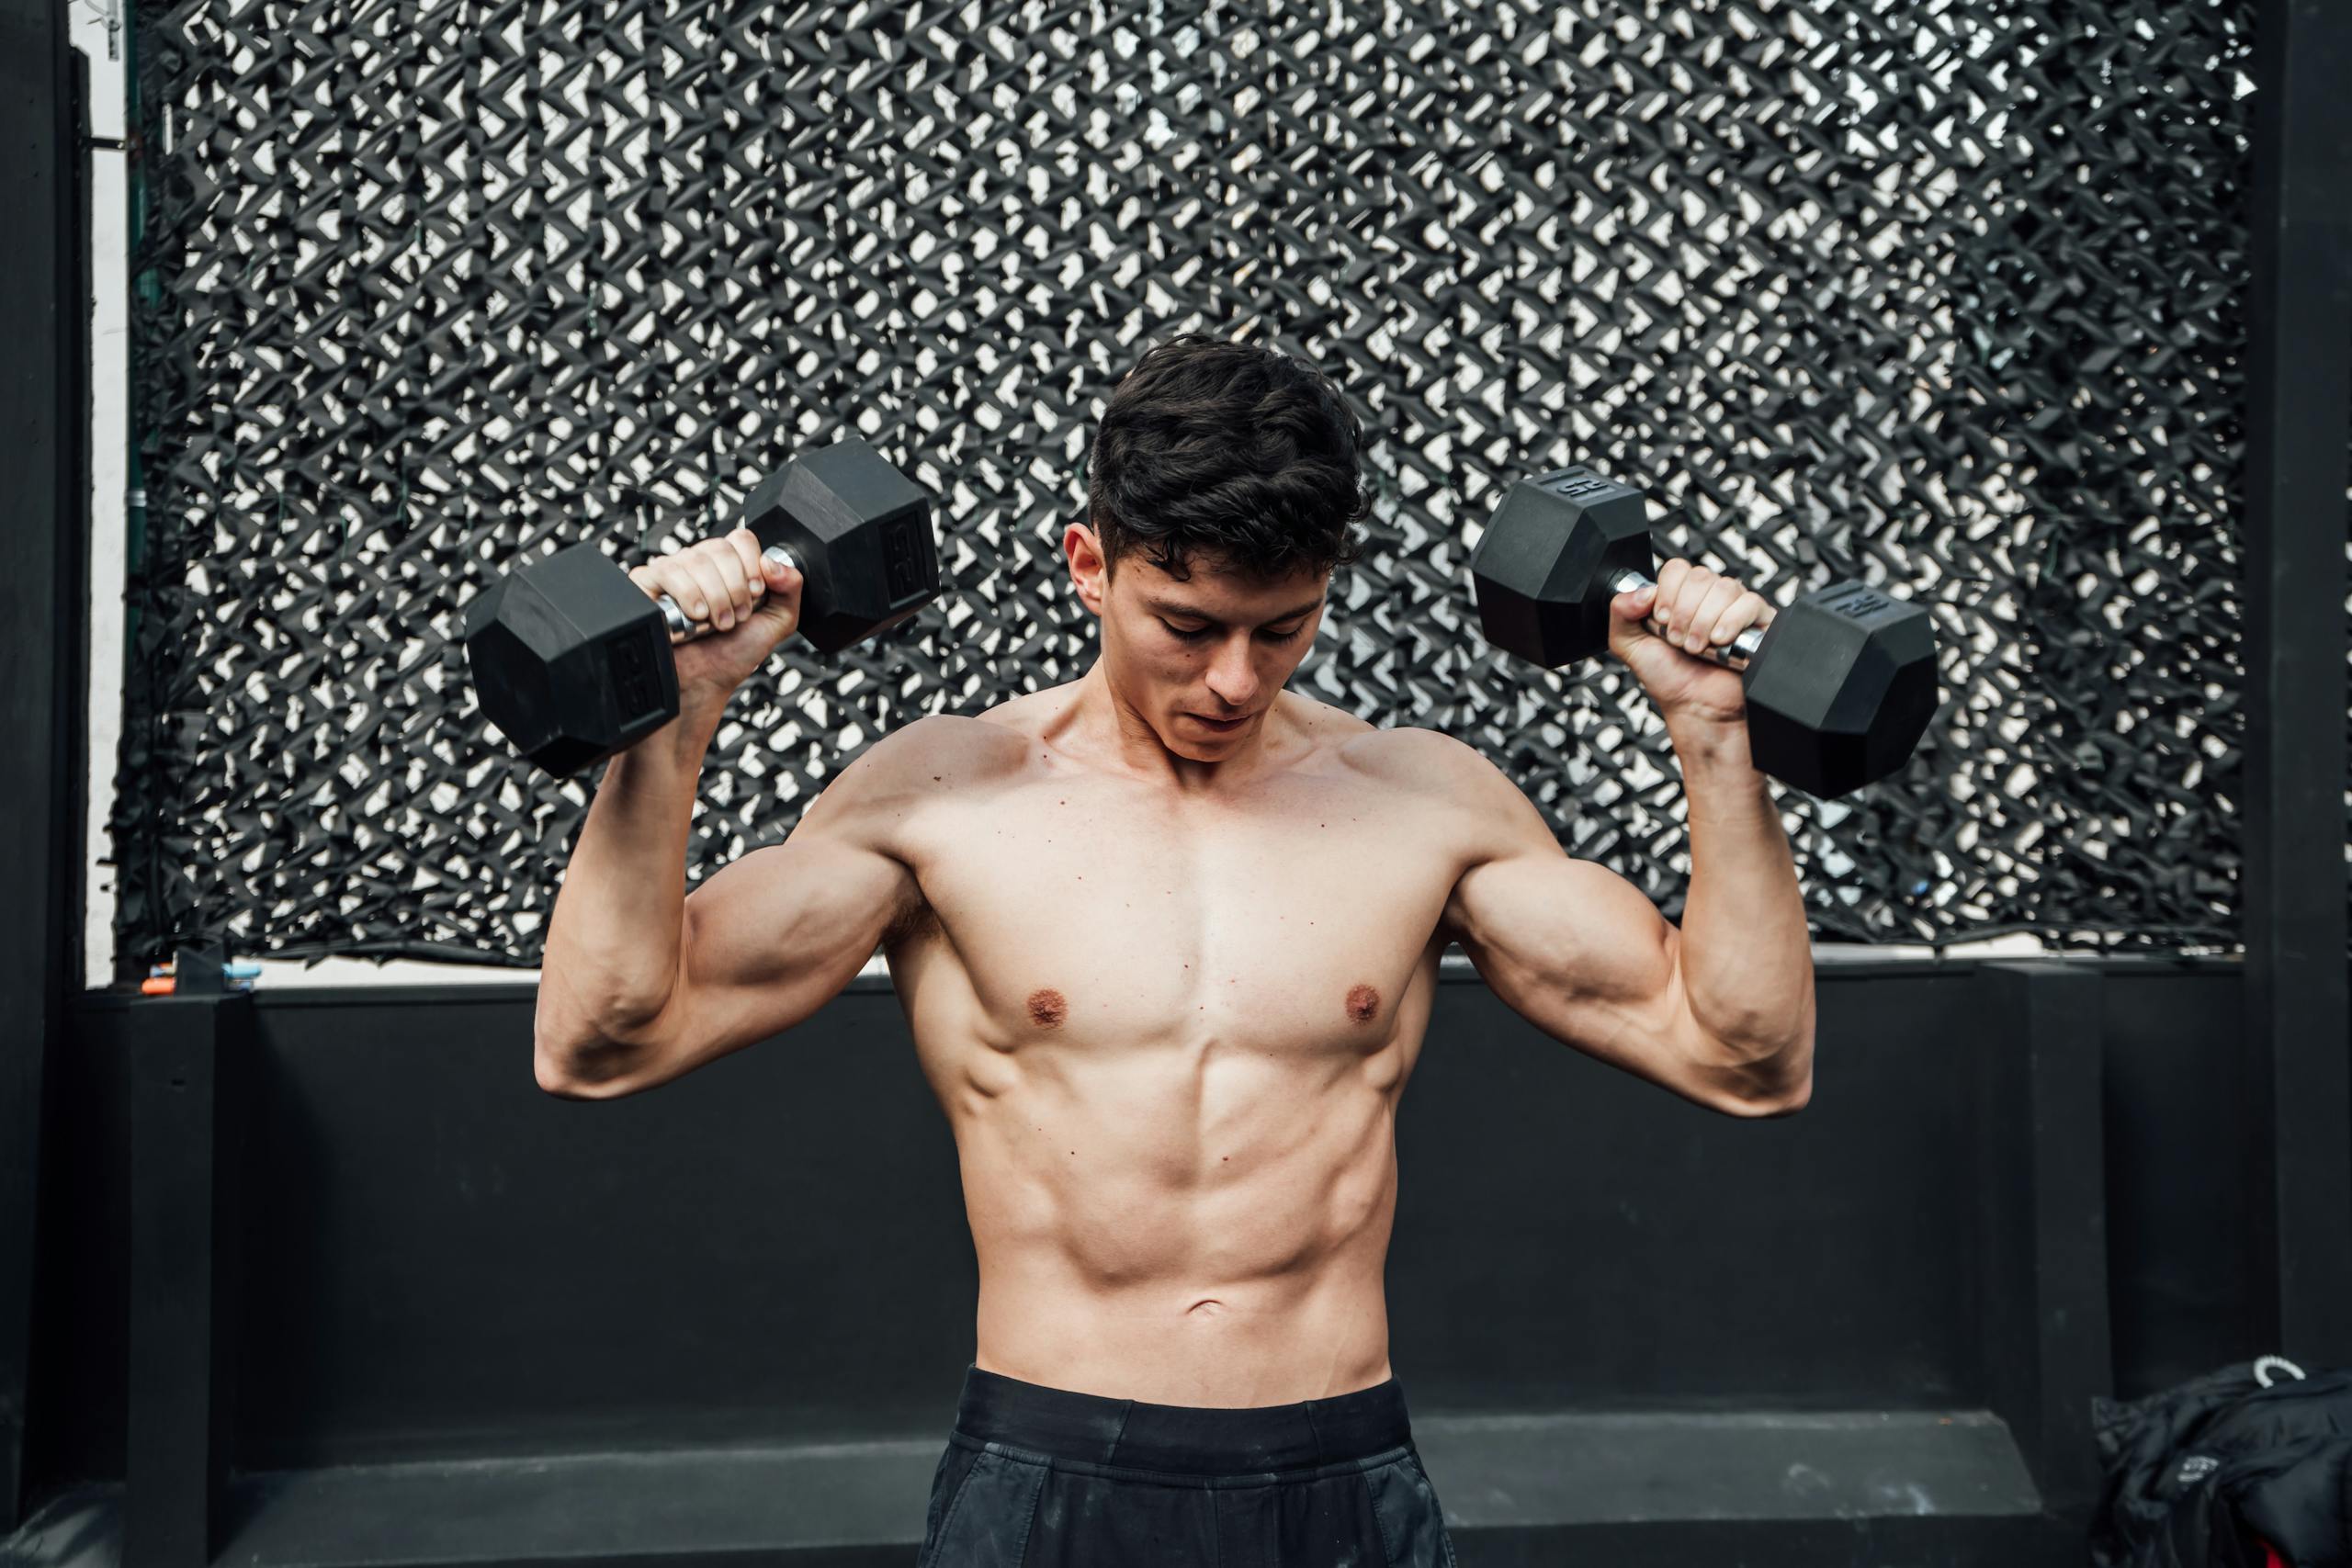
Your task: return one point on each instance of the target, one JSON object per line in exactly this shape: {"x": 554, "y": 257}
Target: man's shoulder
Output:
{"x": 1412, "y": 758}
{"x": 943, "y": 748}
{"x": 1453, "y": 794}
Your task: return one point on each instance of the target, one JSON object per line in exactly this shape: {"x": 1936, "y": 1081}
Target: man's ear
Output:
{"x": 1088, "y": 572}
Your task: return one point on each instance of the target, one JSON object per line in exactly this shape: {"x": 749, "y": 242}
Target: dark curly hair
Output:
{"x": 1231, "y": 451}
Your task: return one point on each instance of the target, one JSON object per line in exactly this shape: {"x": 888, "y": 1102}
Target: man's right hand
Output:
{"x": 751, "y": 604}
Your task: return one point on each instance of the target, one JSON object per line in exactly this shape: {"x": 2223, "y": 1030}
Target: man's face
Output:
{"x": 1184, "y": 655}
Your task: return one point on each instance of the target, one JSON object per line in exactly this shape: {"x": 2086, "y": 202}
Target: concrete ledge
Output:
{"x": 1750, "y": 1486}
{"x": 1633, "y": 1468}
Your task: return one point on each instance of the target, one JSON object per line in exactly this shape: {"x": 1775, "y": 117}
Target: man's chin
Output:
{"x": 1189, "y": 742}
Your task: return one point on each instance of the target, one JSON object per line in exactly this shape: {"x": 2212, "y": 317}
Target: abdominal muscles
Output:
{"x": 1182, "y": 1222}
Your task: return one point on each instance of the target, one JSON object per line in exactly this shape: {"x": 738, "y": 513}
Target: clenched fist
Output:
{"x": 749, "y": 602}
{"x": 1660, "y": 632}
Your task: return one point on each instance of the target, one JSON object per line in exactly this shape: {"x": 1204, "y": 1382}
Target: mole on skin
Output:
{"x": 1364, "y": 1004}
{"x": 1047, "y": 1008}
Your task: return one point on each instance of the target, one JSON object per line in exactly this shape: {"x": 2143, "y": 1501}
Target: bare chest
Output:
{"x": 1079, "y": 908}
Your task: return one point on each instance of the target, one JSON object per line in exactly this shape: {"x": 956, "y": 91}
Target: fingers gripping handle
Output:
{"x": 686, "y": 629}
{"x": 1736, "y": 657}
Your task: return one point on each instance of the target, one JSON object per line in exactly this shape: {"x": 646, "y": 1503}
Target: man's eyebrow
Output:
{"x": 1169, "y": 607}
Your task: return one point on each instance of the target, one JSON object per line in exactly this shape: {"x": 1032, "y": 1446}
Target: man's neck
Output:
{"x": 1104, "y": 724}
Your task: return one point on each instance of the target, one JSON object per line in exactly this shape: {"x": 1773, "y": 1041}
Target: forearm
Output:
{"x": 1747, "y": 954}
{"x": 615, "y": 935}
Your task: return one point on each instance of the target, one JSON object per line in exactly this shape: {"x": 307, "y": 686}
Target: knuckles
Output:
{"x": 1683, "y": 589}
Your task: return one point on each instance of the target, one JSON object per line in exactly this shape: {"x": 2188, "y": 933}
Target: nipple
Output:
{"x": 1364, "y": 1004}
{"x": 1047, "y": 1008}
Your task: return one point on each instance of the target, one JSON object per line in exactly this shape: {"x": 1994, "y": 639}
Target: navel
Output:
{"x": 1364, "y": 1004}
{"x": 1047, "y": 1008}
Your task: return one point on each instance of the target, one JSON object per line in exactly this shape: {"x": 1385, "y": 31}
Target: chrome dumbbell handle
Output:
{"x": 1736, "y": 657}
{"x": 682, "y": 628}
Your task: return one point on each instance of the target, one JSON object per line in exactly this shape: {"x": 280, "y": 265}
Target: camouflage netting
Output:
{"x": 1943, "y": 294}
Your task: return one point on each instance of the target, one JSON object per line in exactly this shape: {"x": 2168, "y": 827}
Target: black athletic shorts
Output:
{"x": 1038, "y": 1477}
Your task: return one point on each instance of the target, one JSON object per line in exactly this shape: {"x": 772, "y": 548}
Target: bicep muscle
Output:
{"x": 1579, "y": 952}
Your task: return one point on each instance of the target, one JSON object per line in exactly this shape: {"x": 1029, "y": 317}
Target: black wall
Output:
{"x": 44, "y": 475}
{"x": 440, "y": 1260}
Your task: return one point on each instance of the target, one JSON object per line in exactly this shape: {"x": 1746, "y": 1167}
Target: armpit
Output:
{"x": 914, "y": 918}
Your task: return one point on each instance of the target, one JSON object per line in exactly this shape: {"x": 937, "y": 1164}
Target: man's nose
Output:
{"x": 1232, "y": 676}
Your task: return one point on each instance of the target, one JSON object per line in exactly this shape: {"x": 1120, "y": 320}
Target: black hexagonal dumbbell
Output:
{"x": 1839, "y": 687}
{"x": 572, "y": 661}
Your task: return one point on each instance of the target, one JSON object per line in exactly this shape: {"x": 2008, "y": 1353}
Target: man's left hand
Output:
{"x": 1698, "y": 609}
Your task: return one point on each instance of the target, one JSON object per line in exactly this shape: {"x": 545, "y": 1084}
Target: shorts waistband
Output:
{"x": 1181, "y": 1439}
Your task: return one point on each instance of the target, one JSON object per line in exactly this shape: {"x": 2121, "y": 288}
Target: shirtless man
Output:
{"x": 1169, "y": 977}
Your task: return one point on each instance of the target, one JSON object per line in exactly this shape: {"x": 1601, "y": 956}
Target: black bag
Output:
{"x": 2208, "y": 1473}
